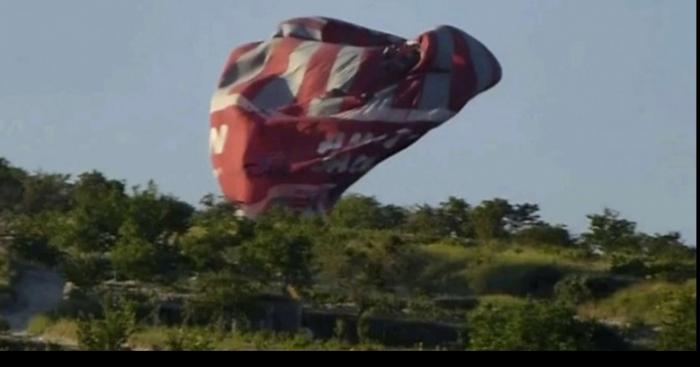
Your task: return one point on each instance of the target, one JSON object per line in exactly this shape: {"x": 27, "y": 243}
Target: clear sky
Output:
{"x": 596, "y": 108}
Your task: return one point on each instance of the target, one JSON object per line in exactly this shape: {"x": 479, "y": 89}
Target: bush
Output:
{"x": 679, "y": 322}
{"x": 544, "y": 234}
{"x": 109, "y": 333}
{"x": 85, "y": 269}
{"x": 188, "y": 340}
{"x": 573, "y": 290}
{"x": 530, "y": 326}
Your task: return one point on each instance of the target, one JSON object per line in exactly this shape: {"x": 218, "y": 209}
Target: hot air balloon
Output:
{"x": 298, "y": 118}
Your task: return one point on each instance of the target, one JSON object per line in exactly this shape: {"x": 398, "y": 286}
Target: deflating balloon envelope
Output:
{"x": 300, "y": 117}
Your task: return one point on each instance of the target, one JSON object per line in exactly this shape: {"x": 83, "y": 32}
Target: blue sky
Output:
{"x": 596, "y": 108}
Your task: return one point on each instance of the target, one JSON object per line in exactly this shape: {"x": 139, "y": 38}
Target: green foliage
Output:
{"x": 573, "y": 290}
{"x": 154, "y": 215}
{"x": 85, "y": 269}
{"x": 361, "y": 212}
{"x": 11, "y": 185}
{"x": 31, "y": 237}
{"x": 610, "y": 232}
{"x": 212, "y": 232}
{"x": 134, "y": 257}
{"x": 44, "y": 192}
{"x": 189, "y": 340}
{"x": 364, "y": 328}
{"x": 220, "y": 296}
{"x": 679, "y": 321}
{"x": 109, "y": 333}
{"x": 530, "y": 326}
{"x": 668, "y": 247}
{"x": 38, "y": 324}
{"x": 543, "y": 234}
{"x": 340, "y": 330}
{"x": 278, "y": 255}
{"x": 424, "y": 221}
{"x": 521, "y": 279}
{"x": 489, "y": 219}
{"x": 625, "y": 265}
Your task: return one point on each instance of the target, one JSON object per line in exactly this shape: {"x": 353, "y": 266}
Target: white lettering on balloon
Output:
{"x": 217, "y": 139}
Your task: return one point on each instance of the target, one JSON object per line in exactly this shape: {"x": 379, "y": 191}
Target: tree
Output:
{"x": 455, "y": 215}
{"x": 220, "y": 296}
{"x": 544, "y": 234}
{"x": 92, "y": 225}
{"x": 30, "y": 236}
{"x": 366, "y": 266}
{"x": 426, "y": 223}
{"x": 357, "y": 211}
{"x": 668, "y": 246}
{"x": 46, "y": 192}
{"x": 610, "y": 232}
{"x": 155, "y": 215}
{"x": 278, "y": 256}
{"x": 84, "y": 269}
{"x": 211, "y": 233}
{"x": 489, "y": 219}
{"x": 11, "y": 187}
{"x": 522, "y": 216}
{"x": 531, "y": 326}
{"x": 393, "y": 216}
{"x": 134, "y": 257}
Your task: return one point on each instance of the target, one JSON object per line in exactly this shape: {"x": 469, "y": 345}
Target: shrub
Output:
{"x": 188, "y": 340}
{"x": 530, "y": 326}
{"x": 109, "y": 333}
{"x": 679, "y": 322}
{"x": 573, "y": 290}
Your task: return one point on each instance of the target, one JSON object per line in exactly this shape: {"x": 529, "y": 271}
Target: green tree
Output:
{"x": 46, "y": 192}
{"x": 92, "y": 225}
{"x": 426, "y": 222}
{"x": 30, "y": 236}
{"x": 544, "y": 234}
{"x": 134, "y": 257}
{"x": 455, "y": 215}
{"x": 11, "y": 185}
{"x": 220, "y": 296}
{"x": 357, "y": 211}
{"x": 211, "y": 233}
{"x": 522, "y": 216}
{"x": 610, "y": 232}
{"x": 156, "y": 216}
{"x": 279, "y": 257}
{"x": 489, "y": 219}
{"x": 85, "y": 269}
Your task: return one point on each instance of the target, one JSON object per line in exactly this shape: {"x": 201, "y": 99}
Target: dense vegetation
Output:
{"x": 492, "y": 272}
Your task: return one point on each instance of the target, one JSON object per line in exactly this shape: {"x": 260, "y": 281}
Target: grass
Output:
{"x": 149, "y": 338}
{"x": 637, "y": 303}
{"x": 494, "y": 269}
{"x": 62, "y": 330}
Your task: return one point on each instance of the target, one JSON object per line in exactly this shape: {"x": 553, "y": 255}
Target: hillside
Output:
{"x": 153, "y": 272}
